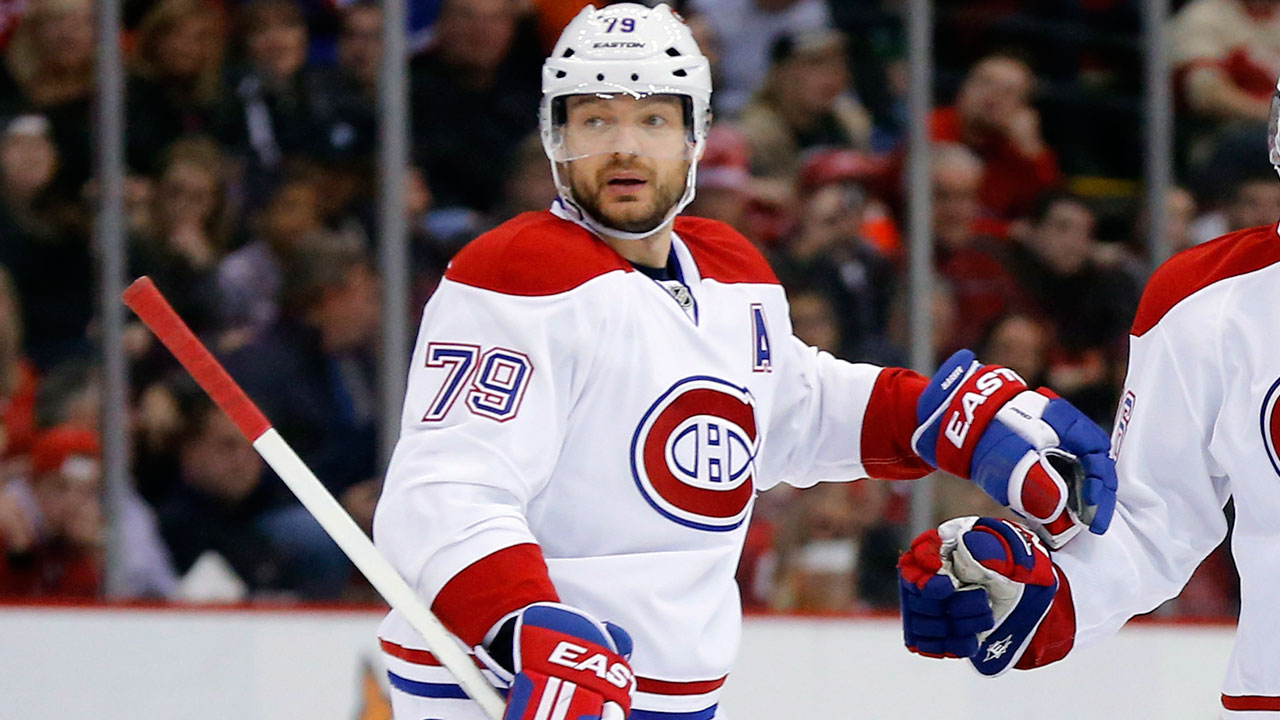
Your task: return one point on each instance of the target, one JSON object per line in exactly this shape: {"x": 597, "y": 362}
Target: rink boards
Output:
{"x": 137, "y": 663}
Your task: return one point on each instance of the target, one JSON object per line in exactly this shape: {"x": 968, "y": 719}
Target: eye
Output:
{"x": 655, "y": 121}
{"x": 593, "y": 121}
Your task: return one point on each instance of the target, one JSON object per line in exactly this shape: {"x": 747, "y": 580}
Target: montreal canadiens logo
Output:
{"x": 1271, "y": 425}
{"x": 693, "y": 455}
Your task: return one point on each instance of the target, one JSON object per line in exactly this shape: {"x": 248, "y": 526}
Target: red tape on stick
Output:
{"x": 145, "y": 299}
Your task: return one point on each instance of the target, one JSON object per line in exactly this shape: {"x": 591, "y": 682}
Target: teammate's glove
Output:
{"x": 1030, "y": 450}
{"x": 567, "y": 666}
{"x": 938, "y": 618}
{"x": 980, "y": 588}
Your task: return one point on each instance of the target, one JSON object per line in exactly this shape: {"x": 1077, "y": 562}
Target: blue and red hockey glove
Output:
{"x": 564, "y": 665}
{"x": 985, "y": 589}
{"x": 1032, "y": 451}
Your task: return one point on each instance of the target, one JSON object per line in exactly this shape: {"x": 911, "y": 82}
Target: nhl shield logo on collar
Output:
{"x": 693, "y": 454}
{"x": 1270, "y": 422}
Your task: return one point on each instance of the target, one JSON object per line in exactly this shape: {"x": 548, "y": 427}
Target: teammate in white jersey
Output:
{"x": 1198, "y": 424}
{"x": 598, "y": 392}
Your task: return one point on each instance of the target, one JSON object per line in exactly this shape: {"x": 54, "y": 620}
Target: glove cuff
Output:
{"x": 1057, "y": 632}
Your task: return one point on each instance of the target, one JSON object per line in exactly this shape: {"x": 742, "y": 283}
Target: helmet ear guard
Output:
{"x": 1273, "y": 130}
{"x": 628, "y": 49}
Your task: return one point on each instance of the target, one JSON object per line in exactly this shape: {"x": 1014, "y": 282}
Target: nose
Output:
{"x": 626, "y": 140}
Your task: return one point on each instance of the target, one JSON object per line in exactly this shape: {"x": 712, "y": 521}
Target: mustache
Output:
{"x": 631, "y": 164}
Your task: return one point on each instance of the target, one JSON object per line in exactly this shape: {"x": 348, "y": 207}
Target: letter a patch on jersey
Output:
{"x": 762, "y": 350}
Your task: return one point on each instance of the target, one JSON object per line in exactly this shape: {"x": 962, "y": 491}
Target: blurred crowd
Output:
{"x": 251, "y": 201}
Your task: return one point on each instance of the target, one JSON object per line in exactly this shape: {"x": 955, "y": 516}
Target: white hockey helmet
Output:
{"x": 631, "y": 49}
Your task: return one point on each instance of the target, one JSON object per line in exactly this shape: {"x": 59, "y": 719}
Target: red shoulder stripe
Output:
{"x": 534, "y": 254}
{"x": 722, "y": 253}
{"x": 1193, "y": 270}
{"x": 490, "y": 588}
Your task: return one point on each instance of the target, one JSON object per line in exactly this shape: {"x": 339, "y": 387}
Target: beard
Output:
{"x": 666, "y": 193}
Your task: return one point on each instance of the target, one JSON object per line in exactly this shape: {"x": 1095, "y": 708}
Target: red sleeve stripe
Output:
{"x": 888, "y": 424}
{"x": 667, "y": 687}
{"x": 492, "y": 587}
{"x": 418, "y": 657}
{"x": 1251, "y": 702}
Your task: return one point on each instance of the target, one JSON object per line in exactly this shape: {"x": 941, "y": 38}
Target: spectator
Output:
{"x": 1089, "y": 305}
{"x": 804, "y": 103}
{"x": 749, "y": 29}
{"x": 343, "y": 147}
{"x": 312, "y": 370}
{"x": 867, "y": 170}
{"x": 1255, "y": 201}
{"x": 1018, "y": 342}
{"x": 828, "y": 252}
{"x": 428, "y": 254}
{"x": 967, "y": 257}
{"x": 994, "y": 117}
{"x": 188, "y": 232}
{"x": 176, "y": 82}
{"x": 249, "y": 278}
{"x": 272, "y": 114}
{"x": 50, "y": 63}
{"x": 1245, "y": 204}
{"x": 223, "y": 505}
{"x": 69, "y": 396}
{"x": 814, "y": 321}
{"x": 529, "y": 186}
{"x": 49, "y": 261}
{"x": 18, "y": 380}
{"x": 28, "y": 162}
{"x": 1226, "y": 56}
{"x": 834, "y": 553}
{"x": 474, "y": 97}
{"x": 944, "y": 315}
{"x": 724, "y": 179}
{"x": 360, "y": 46}
{"x": 51, "y": 527}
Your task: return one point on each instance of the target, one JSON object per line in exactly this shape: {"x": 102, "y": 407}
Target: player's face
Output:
{"x": 629, "y": 158}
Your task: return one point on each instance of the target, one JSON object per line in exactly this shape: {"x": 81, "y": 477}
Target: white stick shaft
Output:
{"x": 384, "y": 578}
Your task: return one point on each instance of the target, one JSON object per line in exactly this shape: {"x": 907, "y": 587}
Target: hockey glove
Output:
{"x": 1003, "y": 567}
{"x": 567, "y": 666}
{"x": 1030, "y": 450}
{"x": 938, "y": 618}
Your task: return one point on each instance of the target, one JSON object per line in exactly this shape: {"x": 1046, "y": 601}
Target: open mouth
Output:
{"x": 628, "y": 180}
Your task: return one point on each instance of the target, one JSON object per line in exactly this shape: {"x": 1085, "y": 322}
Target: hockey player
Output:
{"x": 1198, "y": 423}
{"x": 598, "y": 391}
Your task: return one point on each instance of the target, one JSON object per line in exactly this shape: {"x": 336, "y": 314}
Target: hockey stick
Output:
{"x": 145, "y": 300}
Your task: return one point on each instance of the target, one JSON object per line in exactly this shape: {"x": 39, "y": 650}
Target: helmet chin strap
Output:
{"x": 599, "y": 227}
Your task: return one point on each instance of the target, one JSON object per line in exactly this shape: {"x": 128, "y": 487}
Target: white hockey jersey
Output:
{"x": 561, "y": 401}
{"x": 1199, "y": 422}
